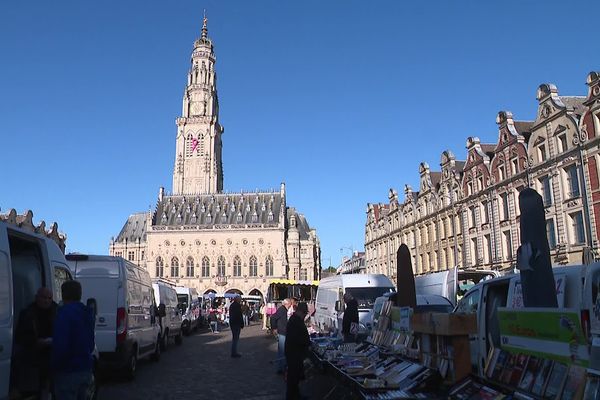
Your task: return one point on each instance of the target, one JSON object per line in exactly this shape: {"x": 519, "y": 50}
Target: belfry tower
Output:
{"x": 198, "y": 162}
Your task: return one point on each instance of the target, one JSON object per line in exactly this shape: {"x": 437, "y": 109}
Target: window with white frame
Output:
{"x": 131, "y": 255}
{"x": 562, "y": 142}
{"x": 474, "y": 252}
{"x": 269, "y": 266}
{"x": 507, "y": 245}
{"x": 221, "y": 266}
{"x": 189, "y": 267}
{"x": 487, "y": 242}
{"x": 577, "y": 229}
{"x": 205, "y": 267}
{"x": 542, "y": 152}
{"x": 546, "y": 189}
{"x": 572, "y": 176}
{"x": 253, "y": 266}
{"x": 485, "y": 217}
{"x": 551, "y": 233}
{"x": 160, "y": 267}
{"x": 237, "y": 266}
{"x": 174, "y": 267}
{"x": 514, "y": 165}
{"x": 501, "y": 172}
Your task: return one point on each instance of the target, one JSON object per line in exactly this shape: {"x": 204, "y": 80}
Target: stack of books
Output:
{"x": 539, "y": 377}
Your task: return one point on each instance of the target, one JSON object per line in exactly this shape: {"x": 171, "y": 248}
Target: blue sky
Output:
{"x": 339, "y": 99}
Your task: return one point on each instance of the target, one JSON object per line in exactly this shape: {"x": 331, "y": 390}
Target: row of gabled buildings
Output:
{"x": 467, "y": 214}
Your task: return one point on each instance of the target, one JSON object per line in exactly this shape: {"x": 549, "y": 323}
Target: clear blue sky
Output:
{"x": 339, "y": 99}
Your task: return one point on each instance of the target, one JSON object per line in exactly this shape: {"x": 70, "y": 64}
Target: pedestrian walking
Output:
{"x": 246, "y": 313}
{"x": 72, "y": 345}
{"x": 297, "y": 342}
{"x": 33, "y": 341}
{"x": 350, "y": 319}
{"x": 236, "y": 323}
{"x": 279, "y": 322}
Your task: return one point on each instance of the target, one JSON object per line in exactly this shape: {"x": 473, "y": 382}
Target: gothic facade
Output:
{"x": 200, "y": 236}
{"x": 467, "y": 214}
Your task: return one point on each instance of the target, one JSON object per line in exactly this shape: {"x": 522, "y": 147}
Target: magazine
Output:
{"x": 518, "y": 370}
{"x": 592, "y": 388}
{"x": 574, "y": 383}
{"x": 500, "y": 362}
{"x": 541, "y": 377}
{"x": 556, "y": 380}
{"x": 530, "y": 373}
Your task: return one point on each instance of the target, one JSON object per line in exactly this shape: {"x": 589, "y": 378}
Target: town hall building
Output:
{"x": 201, "y": 236}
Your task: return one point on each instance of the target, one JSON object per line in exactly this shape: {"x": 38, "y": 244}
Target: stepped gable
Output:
{"x": 134, "y": 229}
{"x": 219, "y": 209}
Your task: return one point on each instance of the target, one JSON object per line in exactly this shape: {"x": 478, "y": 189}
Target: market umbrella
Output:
{"x": 533, "y": 256}
{"x": 406, "y": 295}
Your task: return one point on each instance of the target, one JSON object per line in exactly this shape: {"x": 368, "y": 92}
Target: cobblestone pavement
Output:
{"x": 202, "y": 368}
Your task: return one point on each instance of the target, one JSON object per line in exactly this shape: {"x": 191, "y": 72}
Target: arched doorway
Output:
{"x": 234, "y": 291}
{"x": 209, "y": 291}
{"x": 256, "y": 292}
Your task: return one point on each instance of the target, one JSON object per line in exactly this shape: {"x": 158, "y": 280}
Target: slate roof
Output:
{"x": 488, "y": 149}
{"x": 218, "y": 209}
{"x": 134, "y": 228}
{"x": 460, "y": 165}
{"x": 574, "y": 104}
{"x": 523, "y": 127}
{"x": 436, "y": 177}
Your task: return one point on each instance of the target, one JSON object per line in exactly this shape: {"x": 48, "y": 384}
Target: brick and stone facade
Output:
{"x": 467, "y": 214}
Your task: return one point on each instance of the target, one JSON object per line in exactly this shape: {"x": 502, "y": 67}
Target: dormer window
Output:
{"x": 562, "y": 142}
{"x": 469, "y": 188}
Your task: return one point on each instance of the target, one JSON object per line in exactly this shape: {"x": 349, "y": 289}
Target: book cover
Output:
{"x": 592, "y": 388}
{"x": 573, "y": 387}
{"x": 500, "y": 362}
{"x": 541, "y": 377}
{"x": 556, "y": 380}
{"x": 530, "y": 372}
{"x": 508, "y": 367}
{"x": 491, "y": 361}
{"x": 518, "y": 370}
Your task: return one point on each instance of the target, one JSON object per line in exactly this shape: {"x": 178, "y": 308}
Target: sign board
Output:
{"x": 517, "y": 292}
{"x": 544, "y": 332}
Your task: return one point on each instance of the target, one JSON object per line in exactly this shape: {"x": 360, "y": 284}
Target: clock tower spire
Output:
{"x": 198, "y": 162}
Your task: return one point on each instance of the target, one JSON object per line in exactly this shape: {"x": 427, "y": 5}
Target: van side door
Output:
{"x": 6, "y": 311}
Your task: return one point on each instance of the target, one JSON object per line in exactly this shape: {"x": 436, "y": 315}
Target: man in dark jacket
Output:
{"x": 297, "y": 342}
{"x": 34, "y": 340}
{"x": 72, "y": 345}
{"x": 236, "y": 323}
{"x": 279, "y": 321}
{"x": 350, "y": 317}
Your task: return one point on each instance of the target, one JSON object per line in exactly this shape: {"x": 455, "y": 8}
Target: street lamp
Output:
{"x": 351, "y": 248}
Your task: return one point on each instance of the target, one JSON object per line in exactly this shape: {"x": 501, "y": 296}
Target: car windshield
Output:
{"x": 440, "y": 308}
{"x": 365, "y": 296}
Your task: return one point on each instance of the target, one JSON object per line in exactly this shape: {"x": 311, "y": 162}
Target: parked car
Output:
{"x": 189, "y": 306}
{"x": 30, "y": 258}
{"x": 577, "y": 287}
{"x": 126, "y": 325}
{"x": 169, "y": 313}
{"x": 365, "y": 288}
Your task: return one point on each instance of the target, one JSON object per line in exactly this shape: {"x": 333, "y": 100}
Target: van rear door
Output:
{"x": 101, "y": 280}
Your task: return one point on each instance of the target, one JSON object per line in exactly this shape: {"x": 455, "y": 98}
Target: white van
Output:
{"x": 29, "y": 259}
{"x": 364, "y": 287}
{"x": 577, "y": 286}
{"x": 450, "y": 282}
{"x": 126, "y": 326}
{"x": 189, "y": 306}
{"x": 169, "y": 313}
